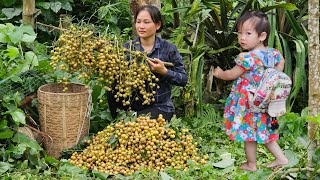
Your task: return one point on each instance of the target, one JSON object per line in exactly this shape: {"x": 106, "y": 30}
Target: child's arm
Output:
{"x": 230, "y": 74}
{"x": 280, "y": 66}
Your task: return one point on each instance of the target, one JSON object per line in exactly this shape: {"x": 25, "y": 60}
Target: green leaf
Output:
{"x": 3, "y": 124}
{"x": 52, "y": 161}
{"x": 69, "y": 170}
{"x": 67, "y": 6}
{"x": 55, "y": 6}
{"x": 195, "y": 64}
{"x": 297, "y": 29}
{"x": 278, "y": 42}
{"x": 184, "y": 51}
{"x": 199, "y": 87}
{"x": 20, "y": 138}
{"x": 194, "y": 8}
{"x": 224, "y": 12}
{"x": 287, "y": 55}
{"x": 15, "y": 36}
{"x": 103, "y": 11}
{"x": 4, "y": 167}
{"x": 6, "y": 134}
{"x": 165, "y": 176}
{"x": 112, "y": 139}
{"x": 102, "y": 92}
{"x": 44, "y": 5}
{"x": 287, "y": 6}
{"x": 305, "y": 112}
{"x": 26, "y": 28}
{"x": 273, "y": 23}
{"x": 15, "y": 78}
{"x": 23, "y": 165}
{"x": 100, "y": 175}
{"x": 4, "y": 38}
{"x": 119, "y": 176}
{"x": 28, "y": 38}
{"x": 24, "y": 140}
{"x": 303, "y": 141}
{"x": 113, "y": 19}
{"x": 315, "y": 158}
{"x": 11, "y": 12}
{"x": 12, "y": 52}
{"x": 121, "y": 115}
{"x": 20, "y": 68}
{"x": 292, "y": 157}
{"x": 35, "y": 147}
{"x": 19, "y": 150}
{"x": 107, "y": 10}
{"x": 18, "y": 116}
{"x": 223, "y": 49}
{"x": 31, "y": 58}
{"x": 44, "y": 66}
{"x": 105, "y": 115}
{"x": 261, "y": 174}
{"x": 33, "y": 158}
{"x": 10, "y": 26}
{"x": 225, "y": 162}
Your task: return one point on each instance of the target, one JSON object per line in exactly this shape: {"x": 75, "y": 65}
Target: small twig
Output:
{"x": 63, "y": 29}
{"x": 50, "y": 26}
{"x": 37, "y": 131}
{"x": 30, "y": 118}
{"x": 165, "y": 63}
{"x": 296, "y": 170}
{"x": 274, "y": 173}
{"x": 28, "y": 99}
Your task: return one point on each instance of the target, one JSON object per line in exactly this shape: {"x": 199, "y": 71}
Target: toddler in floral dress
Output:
{"x": 239, "y": 122}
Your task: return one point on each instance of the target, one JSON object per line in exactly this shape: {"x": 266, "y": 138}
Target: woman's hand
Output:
{"x": 157, "y": 66}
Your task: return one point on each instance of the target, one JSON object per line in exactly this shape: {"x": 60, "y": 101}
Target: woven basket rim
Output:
{"x": 86, "y": 91}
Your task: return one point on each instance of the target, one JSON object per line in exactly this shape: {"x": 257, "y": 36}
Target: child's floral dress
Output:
{"x": 241, "y": 124}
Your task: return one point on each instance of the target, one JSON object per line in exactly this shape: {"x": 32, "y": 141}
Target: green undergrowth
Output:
{"x": 225, "y": 156}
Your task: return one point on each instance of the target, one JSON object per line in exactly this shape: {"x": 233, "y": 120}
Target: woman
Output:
{"x": 148, "y": 22}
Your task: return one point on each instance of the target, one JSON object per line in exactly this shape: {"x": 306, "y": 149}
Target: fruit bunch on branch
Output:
{"x": 80, "y": 50}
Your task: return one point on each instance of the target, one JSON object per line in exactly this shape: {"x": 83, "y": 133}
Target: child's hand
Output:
{"x": 217, "y": 71}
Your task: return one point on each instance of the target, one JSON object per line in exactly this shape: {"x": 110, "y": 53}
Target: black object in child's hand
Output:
{"x": 274, "y": 123}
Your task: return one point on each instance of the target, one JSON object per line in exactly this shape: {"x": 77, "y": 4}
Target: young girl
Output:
{"x": 148, "y": 22}
{"x": 241, "y": 124}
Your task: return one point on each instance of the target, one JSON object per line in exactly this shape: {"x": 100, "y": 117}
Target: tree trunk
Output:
{"x": 135, "y": 4}
{"x": 314, "y": 74}
{"x": 176, "y": 19}
{"x": 28, "y": 12}
{"x": 156, "y": 3}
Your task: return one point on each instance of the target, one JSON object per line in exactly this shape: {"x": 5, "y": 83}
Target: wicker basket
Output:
{"x": 64, "y": 116}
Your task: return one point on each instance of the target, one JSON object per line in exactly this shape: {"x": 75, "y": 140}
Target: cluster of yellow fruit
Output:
{"x": 79, "y": 50}
{"x": 144, "y": 144}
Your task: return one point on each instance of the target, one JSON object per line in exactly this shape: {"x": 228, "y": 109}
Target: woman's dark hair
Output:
{"x": 154, "y": 13}
{"x": 261, "y": 22}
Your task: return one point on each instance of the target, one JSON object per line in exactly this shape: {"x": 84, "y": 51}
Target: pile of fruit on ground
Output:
{"x": 127, "y": 147}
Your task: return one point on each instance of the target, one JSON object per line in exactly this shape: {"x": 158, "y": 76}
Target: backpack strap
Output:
{"x": 267, "y": 60}
{"x": 248, "y": 76}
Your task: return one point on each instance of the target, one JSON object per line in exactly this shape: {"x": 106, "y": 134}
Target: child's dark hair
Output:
{"x": 154, "y": 13}
{"x": 261, "y": 22}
